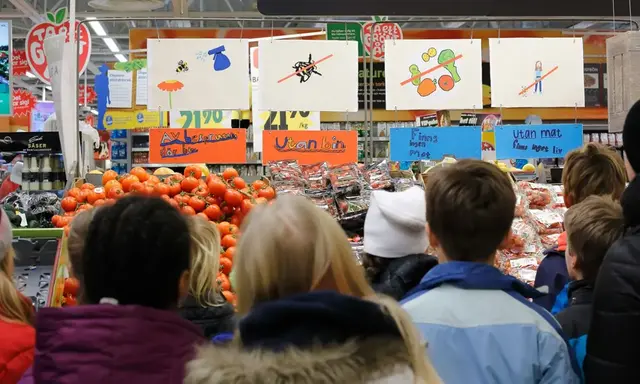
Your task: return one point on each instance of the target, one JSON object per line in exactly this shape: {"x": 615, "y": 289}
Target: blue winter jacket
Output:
{"x": 552, "y": 273}
{"x": 481, "y": 328}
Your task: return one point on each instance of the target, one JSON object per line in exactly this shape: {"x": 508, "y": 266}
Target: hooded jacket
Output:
{"x": 112, "y": 344}
{"x": 481, "y": 328}
{"x": 212, "y": 320}
{"x": 576, "y": 318}
{"x": 403, "y": 274}
{"x": 318, "y": 337}
{"x": 17, "y": 342}
{"x": 552, "y": 273}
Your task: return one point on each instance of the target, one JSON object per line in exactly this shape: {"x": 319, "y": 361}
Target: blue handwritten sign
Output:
{"x": 537, "y": 141}
{"x": 413, "y": 144}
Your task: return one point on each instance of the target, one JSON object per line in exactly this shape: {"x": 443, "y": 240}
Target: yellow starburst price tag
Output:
{"x": 290, "y": 120}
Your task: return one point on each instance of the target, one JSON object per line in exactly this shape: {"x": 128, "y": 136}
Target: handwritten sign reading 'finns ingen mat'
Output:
{"x": 310, "y": 147}
{"x": 537, "y": 141}
{"x": 211, "y": 146}
{"x": 414, "y": 144}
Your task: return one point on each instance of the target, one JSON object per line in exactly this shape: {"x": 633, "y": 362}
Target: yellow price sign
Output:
{"x": 211, "y": 118}
{"x": 290, "y": 120}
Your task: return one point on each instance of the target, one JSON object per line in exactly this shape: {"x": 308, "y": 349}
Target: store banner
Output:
{"x": 23, "y": 102}
{"x": 86, "y": 94}
{"x": 310, "y": 147}
{"x": 210, "y": 118}
{"x": 415, "y": 144}
{"x": 19, "y": 64}
{"x": 134, "y": 119}
{"x": 209, "y": 146}
{"x": 544, "y": 141}
{"x": 30, "y": 142}
{"x": 6, "y": 77}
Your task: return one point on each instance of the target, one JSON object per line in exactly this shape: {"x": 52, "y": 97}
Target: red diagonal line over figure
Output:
{"x": 419, "y": 75}
{"x": 537, "y": 81}
{"x": 305, "y": 68}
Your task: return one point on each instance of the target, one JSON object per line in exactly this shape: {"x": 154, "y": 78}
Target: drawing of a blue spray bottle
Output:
{"x": 220, "y": 60}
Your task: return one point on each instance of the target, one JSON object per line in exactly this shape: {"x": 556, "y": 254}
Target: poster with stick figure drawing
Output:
{"x": 308, "y": 75}
{"x": 197, "y": 74}
{"x": 537, "y": 72}
{"x": 433, "y": 74}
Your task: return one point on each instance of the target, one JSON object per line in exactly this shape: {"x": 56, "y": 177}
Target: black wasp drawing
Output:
{"x": 182, "y": 66}
{"x": 304, "y": 69}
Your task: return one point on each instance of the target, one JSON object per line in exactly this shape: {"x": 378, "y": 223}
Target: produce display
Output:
{"x": 28, "y": 210}
{"x": 224, "y": 199}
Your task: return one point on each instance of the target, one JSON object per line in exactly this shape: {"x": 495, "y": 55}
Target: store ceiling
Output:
{"x": 25, "y": 13}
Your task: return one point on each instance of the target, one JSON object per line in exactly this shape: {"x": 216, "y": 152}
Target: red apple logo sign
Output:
{"x": 56, "y": 25}
{"x": 383, "y": 31}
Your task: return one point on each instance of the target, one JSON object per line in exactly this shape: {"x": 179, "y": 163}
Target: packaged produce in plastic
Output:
{"x": 377, "y": 175}
{"x": 315, "y": 176}
{"x": 285, "y": 170}
{"x": 349, "y": 205}
{"x": 547, "y": 221}
{"x": 539, "y": 195}
{"x": 522, "y": 204}
{"x": 345, "y": 177}
{"x": 326, "y": 202}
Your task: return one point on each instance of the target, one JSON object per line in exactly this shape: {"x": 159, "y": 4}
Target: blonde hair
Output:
{"x": 205, "y": 262}
{"x": 12, "y": 306}
{"x": 293, "y": 247}
{"x": 75, "y": 241}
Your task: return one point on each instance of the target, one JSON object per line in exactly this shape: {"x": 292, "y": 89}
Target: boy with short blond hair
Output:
{"x": 592, "y": 227}
{"x": 593, "y": 170}
{"x": 479, "y": 323}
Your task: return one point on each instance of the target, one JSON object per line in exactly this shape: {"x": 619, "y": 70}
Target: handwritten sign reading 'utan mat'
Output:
{"x": 537, "y": 141}
{"x": 211, "y": 146}
{"x": 414, "y": 144}
{"x": 310, "y": 147}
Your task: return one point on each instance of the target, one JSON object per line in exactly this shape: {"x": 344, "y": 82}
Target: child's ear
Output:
{"x": 433, "y": 240}
{"x": 183, "y": 285}
{"x": 505, "y": 244}
{"x": 567, "y": 201}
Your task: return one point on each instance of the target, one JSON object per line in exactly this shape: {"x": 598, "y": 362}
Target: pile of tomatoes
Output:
{"x": 224, "y": 199}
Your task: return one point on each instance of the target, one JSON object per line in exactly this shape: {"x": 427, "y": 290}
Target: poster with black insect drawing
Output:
{"x": 308, "y": 75}
{"x": 197, "y": 74}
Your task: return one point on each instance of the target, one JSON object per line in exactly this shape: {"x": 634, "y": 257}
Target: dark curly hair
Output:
{"x": 135, "y": 252}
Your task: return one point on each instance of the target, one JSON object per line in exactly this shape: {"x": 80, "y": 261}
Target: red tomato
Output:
{"x": 99, "y": 202}
{"x": 95, "y": 195}
{"x": 211, "y": 177}
{"x": 84, "y": 207}
{"x": 136, "y": 187}
{"x": 69, "y": 204}
{"x": 71, "y": 286}
{"x": 217, "y": 188}
{"x": 197, "y": 203}
{"x": 73, "y": 192}
{"x": 229, "y": 173}
{"x": 153, "y": 180}
{"x": 174, "y": 188}
{"x": 230, "y": 297}
{"x": 236, "y": 219}
{"x": 223, "y": 282}
{"x": 233, "y": 229}
{"x": 210, "y": 200}
{"x": 187, "y": 210}
{"x": 238, "y": 183}
{"x": 225, "y": 265}
{"x": 111, "y": 184}
{"x": 233, "y": 198}
{"x": 193, "y": 171}
{"x": 258, "y": 185}
{"x": 108, "y": 176}
{"x": 230, "y": 253}
{"x": 69, "y": 301}
{"x": 246, "y": 206}
{"x": 228, "y": 241}
{"x": 213, "y": 212}
{"x": 88, "y": 186}
{"x": 202, "y": 215}
{"x": 174, "y": 204}
{"x": 115, "y": 193}
{"x": 140, "y": 173}
{"x": 128, "y": 181}
{"x": 224, "y": 228}
{"x": 176, "y": 177}
{"x": 188, "y": 184}
{"x": 83, "y": 195}
{"x": 55, "y": 219}
{"x": 268, "y": 193}
{"x": 161, "y": 189}
{"x": 201, "y": 190}
{"x": 261, "y": 200}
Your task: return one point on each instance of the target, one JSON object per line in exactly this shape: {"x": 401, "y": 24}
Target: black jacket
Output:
{"x": 614, "y": 337}
{"x": 576, "y": 318}
{"x": 212, "y": 320}
{"x": 403, "y": 274}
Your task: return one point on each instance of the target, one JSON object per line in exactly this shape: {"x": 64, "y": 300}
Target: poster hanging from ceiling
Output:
{"x": 433, "y": 74}
{"x": 545, "y": 72}
{"x": 197, "y": 74}
{"x": 303, "y": 75}
{"x": 5, "y": 69}
{"x": 23, "y": 102}
{"x": 19, "y": 64}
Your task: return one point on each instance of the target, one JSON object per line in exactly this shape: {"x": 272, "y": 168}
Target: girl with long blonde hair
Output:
{"x": 17, "y": 336}
{"x": 309, "y": 314}
{"x": 205, "y": 306}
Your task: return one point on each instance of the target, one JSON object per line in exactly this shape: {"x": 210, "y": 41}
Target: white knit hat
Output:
{"x": 395, "y": 225}
{"x": 6, "y": 234}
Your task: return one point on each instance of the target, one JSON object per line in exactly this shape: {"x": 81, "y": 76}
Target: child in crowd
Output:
{"x": 309, "y": 315}
{"x": 592, "y": 227}
{"x": 17, "y": 336}
{"x": 395, "y": 241}
{"x": 76, "y": 241}
{"x": 479, "y": 323}
{"x": 205, "y": 306}
{"x": 591, "y": 170}
{"x": 135, "y": 268}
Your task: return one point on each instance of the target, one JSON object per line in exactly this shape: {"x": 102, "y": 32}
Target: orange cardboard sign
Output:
{"x": 309, "y": 147}
{"x": 210, "y": 146}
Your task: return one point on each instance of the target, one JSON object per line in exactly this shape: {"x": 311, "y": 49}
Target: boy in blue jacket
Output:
{"x": 479, "y": 323}
{"x": 592, "y": 227}
{"x": 591, "y": 170}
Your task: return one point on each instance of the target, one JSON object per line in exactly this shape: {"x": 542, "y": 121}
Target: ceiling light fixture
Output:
{"x": 30, "y": 75}
{"x": 97, "y": 27}
{"x": 121, "y": 58}
{"x": 111, "y": 44}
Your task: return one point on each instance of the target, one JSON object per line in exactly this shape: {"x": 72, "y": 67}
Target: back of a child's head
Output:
{"x": 592, "y": 227}
{"x": 470, "y": 208}
{"x": 593, "y": 170}
{"x": 205, "y": 262}
{"x": 136, "y": 252}
{"x": 12, "y": 305}
{"x": 76, "y": 240}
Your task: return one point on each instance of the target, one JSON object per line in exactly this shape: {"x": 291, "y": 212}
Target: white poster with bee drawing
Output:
{"x": 197, "y": 74}
{"x": 433, "y": 74}
{"x": 308, "y": 75}
{"x": 545, "y": 72}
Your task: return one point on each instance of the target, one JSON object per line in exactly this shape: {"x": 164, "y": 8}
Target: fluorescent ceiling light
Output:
{"x": 48, "y": 87}
{"x": 295, "y": 36}
{"x": 94, "y": 112}
{"x": 583, "y": 25}
{"x": 31, "y": 75}
{"x": 111, "y": 44}
{"x": 97, "y": 27}
{"x": 121, "y": 58}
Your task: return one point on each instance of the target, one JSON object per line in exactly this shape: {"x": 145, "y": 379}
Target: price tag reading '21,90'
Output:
{"x": 543, "y": 141}
{"x": 414, "y": 144}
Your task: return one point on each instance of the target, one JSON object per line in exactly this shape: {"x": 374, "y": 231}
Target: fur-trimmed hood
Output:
{"x": 374, "y": 360}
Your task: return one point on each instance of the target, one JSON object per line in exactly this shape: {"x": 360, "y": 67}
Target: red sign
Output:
{"x": 19, "y": 64}
{"x": 310, "y": 147}
{"x": 23, "y": 102}
{"x": 383, "y": 31}
{"x": 87, "y": 91}
{"x": 197, "y": 145}
{"x": 35, "y": 44}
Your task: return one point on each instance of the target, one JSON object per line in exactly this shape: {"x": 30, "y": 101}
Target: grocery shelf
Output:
{"x": 383, "y": 139}
{"x": 37, "y": 233}
{"x": 142, "y": 149}
{"x": 134, "y": 134}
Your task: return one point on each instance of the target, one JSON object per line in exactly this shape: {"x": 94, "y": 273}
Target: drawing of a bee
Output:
{"x": 182, "y": 66}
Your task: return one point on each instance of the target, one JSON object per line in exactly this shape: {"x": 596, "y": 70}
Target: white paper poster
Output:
{"x": 433, "y": 74}
{"x": 537, "y": 72}
{"x": 120, "y": 89}
{"x": 197, "y": 74}
{"x": 141, "y": 87}
{"x": 305, "y": 75}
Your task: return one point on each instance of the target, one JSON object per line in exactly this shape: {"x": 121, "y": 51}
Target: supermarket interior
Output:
{"x": 218, "y": 106}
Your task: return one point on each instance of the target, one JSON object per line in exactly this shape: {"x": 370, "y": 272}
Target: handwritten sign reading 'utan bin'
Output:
{"x": 310, "y": 147}
{"x": 537, "y": 141}
{"x": 210, "y": 146}
{"x": 414, "y": 144}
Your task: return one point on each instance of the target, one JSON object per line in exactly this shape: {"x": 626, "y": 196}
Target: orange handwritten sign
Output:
{"x": 211, "y": 146}
{"x": 309, "y": 147}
